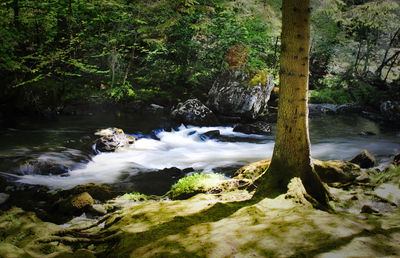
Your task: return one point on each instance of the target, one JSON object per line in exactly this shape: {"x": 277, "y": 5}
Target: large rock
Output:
{"x": 42, "y": 167}
{"x": 234, "y": 94}
{"x": 112, "y": 139}
{"x": 350, "y": 108}
{"x": 364, "y": 159}
{"x": 336, "y": 171}
{"x": 321, "y": 109}
{"x": 258, "y": 127}
{"x": 390, "y": 110}
{"x": 193, "y": 112}
{"x": 74, "y": 205}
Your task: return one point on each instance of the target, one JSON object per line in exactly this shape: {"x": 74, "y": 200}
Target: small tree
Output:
{"x": 291, "y": 157}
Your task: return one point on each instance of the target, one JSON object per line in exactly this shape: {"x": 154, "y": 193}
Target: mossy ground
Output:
{"x": 227, "y": 224}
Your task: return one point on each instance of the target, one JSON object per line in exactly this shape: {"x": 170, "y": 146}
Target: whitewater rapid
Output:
{"x": 187, "y": 147}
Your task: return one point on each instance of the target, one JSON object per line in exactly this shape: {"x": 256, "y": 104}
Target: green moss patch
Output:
{"x": 194, "y": 184}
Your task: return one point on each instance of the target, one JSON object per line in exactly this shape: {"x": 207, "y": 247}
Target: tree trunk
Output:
{"x": 15, "y": 7}
{"x": 291, "y": 157}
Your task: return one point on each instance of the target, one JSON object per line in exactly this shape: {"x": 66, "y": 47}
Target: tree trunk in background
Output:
{"x": 15, "y": 7}
{"x": 291, "y": 157}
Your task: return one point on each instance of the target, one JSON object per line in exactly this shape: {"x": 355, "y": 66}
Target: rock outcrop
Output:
{"x": 234, "y": 94}
{"x": 193, "y": 112}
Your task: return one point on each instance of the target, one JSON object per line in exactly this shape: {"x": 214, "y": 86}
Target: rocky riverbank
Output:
{"x": 223, "y": 220}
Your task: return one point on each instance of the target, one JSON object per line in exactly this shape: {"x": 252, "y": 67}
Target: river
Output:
{"x": 67, "y": 141}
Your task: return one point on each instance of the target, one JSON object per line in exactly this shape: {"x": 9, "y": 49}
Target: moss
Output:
{"x": 253, "y": 170}
{"x": 392, "y": 174}
{"x": 260, "y": 78}
{"x": 19, "y": 231}
{"x": 193, "y": 184}
{"x": 138, "y": 197}
{"x": 329, "y": 171}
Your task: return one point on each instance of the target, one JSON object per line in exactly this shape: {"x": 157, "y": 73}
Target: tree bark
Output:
{"x": 291, "y": 157}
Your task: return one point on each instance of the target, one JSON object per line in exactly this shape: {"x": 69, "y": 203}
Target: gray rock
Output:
{"x": 390, "y": 111}
{"x": 4, "y": 197}
{"x": 234, "y": 95}
{"x": 322, "y": 109}
{"x": 155, "y": 109}
{"x": 111, "y": 139}
{"x": 364, "y": 159}
{"x": 193, "y": 112}
{"x": 350, "y": 108}
{"x": 258, "y": 127}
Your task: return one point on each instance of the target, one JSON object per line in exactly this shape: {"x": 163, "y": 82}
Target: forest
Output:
{"x": 199, "y": 128}
{"x": 57, "y": 52}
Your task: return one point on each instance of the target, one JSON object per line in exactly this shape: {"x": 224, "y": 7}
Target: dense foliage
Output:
{"x": 54, "y": 52}
{"x": 128, "y": 49}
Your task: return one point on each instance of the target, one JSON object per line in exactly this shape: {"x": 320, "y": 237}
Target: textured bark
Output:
{"x": 291, "y": 157}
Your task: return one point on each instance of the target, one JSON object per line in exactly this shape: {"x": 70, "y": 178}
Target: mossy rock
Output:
{"x": 194, "y": 184}
{"x": 74, "y": 205}
{"x": 97, "y": 191}
{"x": 253, "y": 170}
{"x": 336, "y": 170}
{"x": 19, "y": 232}
{"x": 329, "y": 171}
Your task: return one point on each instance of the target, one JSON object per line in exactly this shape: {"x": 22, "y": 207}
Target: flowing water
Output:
{"x": 68, "y": 140}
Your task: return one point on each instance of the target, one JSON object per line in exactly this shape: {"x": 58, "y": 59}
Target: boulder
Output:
{"x": 364, "y": 159}
{"x": 390, "y": 111}
{"x": 98, "y": 192}
{"x": 155, "y": 109}
{"x": 213, "y": 134}
{"x": 74, "y": 205}
{"x": 336, "y": 171}
{"x": 41, "y": 167}
{"x": 396, "y": 160}
{"x": 322, "y": 109}
{"x": 3, "y": 198}
{"x": 350, "y": 108}
{"x": 112, "y": 139}
{"x": 193, "y": 112}
{"x": 235, "y": 93}
{"x": 258, "y": 127}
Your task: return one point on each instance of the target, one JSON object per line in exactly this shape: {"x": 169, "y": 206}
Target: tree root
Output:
{"x": 80, "y": 240}
{"x": 77, "y": 230}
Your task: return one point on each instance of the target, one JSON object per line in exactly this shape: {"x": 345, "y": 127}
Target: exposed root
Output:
{"x": 380, "y": 198}
{"x": 80, "y": 240}
{"x": 73, "y": 231}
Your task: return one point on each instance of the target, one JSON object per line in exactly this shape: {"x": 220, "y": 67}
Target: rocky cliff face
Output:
{"x": 237, "y": 94}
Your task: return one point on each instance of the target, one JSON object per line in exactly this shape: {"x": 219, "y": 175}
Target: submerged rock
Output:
{"x": 41, "y": 167}
{"x": 112, "y": 139}
{"x": 258, "y": 127}
{"x": 211, "y": 134}
{"x": 234, "y": 94}
{"x": 193, "y": 112}
{"x": 364, "y": 159}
